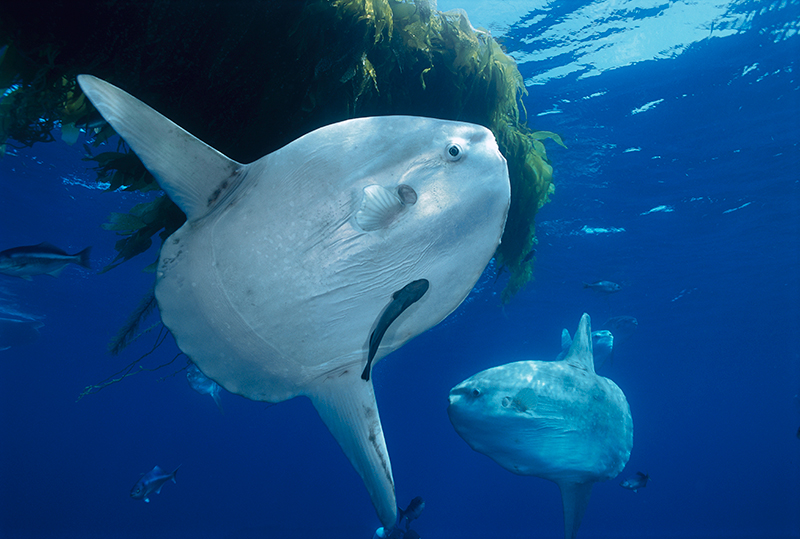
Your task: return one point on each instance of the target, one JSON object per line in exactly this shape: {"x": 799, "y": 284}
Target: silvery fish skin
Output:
{"x": 637, "y": 482}
{"x": 40, "y": 259}
{"x": 151, "y": 482}
{"x": 606, "y": 287}
{"x": 203, "y": 384}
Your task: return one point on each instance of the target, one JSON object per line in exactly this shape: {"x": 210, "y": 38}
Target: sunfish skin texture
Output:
{"x": 557, "y": 420}
{"x": 277, "y": 278}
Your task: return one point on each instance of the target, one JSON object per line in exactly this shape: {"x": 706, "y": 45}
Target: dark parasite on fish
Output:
{"x": 290, "y": 273}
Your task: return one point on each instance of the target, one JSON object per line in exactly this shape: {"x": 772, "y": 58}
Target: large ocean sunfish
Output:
{"x": 552, "y": 419}
{"x": 281, "y": 273}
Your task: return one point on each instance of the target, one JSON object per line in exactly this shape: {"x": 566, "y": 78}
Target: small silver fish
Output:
{"x": 412, "y": 512}
{"x": 202, "y": 383}
{"x": 607, "y": 287}
{"x": 635, "y": 483}
{"x": 151, "y": 482}
{"x": 39, "y": 260}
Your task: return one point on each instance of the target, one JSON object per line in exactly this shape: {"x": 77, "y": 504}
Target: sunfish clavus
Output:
{"x": 552, "y": 419}
{"x": 274, "y": 284}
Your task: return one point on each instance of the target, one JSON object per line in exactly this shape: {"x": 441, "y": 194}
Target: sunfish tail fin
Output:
{"x": 575, "y": 498}
{"x": 193, "y": 174}
{"x": 347, "y": 407}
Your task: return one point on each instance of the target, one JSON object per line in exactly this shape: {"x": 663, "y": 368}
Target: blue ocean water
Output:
{"x": 680, "y": 182}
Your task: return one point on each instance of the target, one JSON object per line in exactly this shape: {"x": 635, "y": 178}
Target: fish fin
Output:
{"x": 575, "y": 498}
{"x": 56, "y": 272}
{"x": 379, "y": 206}
{"x": 215, "y": 396}
{"x": 194, "y": 175}
{"x": 83, "y": 258}
{"x": 526, "y": 399}
{"x": 175, "y": 472}
{"x": 566, "y": 340}
{"x": 49, "y": 247}
{"x": 580, "y": 351}
{"x": 147, "y": 500}
{"x": 347, "y": 407}
{"x": 4, "y": 348}
{"x": 158, "y": 490}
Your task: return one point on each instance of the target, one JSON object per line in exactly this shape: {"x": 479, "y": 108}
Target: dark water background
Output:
{"x": 712, "y": 374}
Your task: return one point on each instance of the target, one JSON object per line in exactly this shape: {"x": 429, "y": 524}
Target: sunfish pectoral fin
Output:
{"x": 575, "y": 498}
{"x": 401, "y": 300}
{"x": 347, "y": 406}
{"x": 194, "y": 175}
{"x": 379, "y": 206}
{"x": 580, "y": 351}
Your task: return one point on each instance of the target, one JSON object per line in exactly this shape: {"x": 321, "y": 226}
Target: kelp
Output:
{"x": 248, "y": 78}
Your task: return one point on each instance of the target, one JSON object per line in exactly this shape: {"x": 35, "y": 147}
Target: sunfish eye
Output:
{"x": 454, "y": 152}
{"x": 476, "y": 392}
{"x": 407, "y": 195}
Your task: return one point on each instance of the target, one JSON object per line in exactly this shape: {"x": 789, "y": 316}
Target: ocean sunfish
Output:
{"x": 557, "y": 420}
{"x": 275, "y": 282}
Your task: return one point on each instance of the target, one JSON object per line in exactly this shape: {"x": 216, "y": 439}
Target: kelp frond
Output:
{"x": 129, "y": 331}
{"x": 324, "y": 61}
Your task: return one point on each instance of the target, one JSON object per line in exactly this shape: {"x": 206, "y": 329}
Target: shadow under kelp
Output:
{"x": 248, "y": 78}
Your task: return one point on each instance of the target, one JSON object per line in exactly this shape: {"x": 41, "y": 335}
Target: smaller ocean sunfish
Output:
{"x": 202, "y": 383}
{"x": 151, "y": 482}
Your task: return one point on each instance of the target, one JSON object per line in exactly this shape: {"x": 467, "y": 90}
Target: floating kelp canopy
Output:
{"x": 250, "y": 77}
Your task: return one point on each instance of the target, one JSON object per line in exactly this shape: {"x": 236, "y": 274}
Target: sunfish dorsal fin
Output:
{"x": 347, "y": 407}
{"x": 194, "y": 175}
{"x": 566, "y": 340}
{"x": 575, "y": 498}
{"x": 580, "y": 351}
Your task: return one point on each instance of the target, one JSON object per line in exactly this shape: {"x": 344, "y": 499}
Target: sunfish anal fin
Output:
{"x": 580, "y": 351}
{"x": 194, "y": 175}
{"x": 401, "y": 300}
{"x": 575, "y": 498}
{"x": 347, "y": 407}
